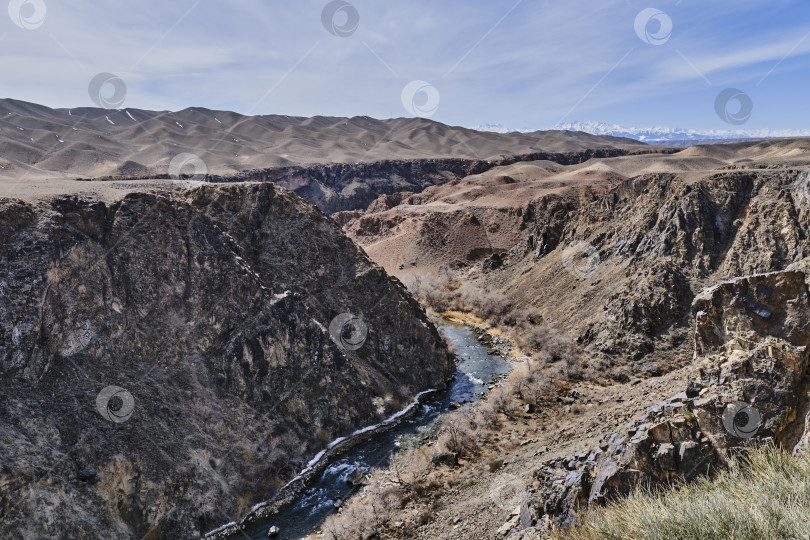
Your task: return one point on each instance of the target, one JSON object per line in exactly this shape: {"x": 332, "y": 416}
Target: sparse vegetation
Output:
{"x": 537, "y": 382}
{"x": 444, "y": 293}
{"x": 551, "y": 362}
{"x": 764, "y": 495}
{"x": 459, "y": 434}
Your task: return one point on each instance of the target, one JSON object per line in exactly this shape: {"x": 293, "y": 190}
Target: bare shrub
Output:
{"x": 366, "y": 515}
{"x": 392, "y": 498}
{"x": 411, "y": 466}
{"x": 487, "y": 415}
{"x": 503, "y": 401}
{"x": 426, "y": 517}
{"x": 486, "y": 304}
{"x": 533, "y": 385}
{"x": 425, "y": 488}
{"x": 433, "y": 291}
{"x": 458, "y": 435}
{"x": 577, "y": 368}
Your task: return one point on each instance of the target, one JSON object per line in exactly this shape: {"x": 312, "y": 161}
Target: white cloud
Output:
{"x": 533, "y": 67}
{"x": 708, "y": 64}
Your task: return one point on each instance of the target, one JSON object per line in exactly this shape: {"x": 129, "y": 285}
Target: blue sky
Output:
{"x": 527, "y": 64}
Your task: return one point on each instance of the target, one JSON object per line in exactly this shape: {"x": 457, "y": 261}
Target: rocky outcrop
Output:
{"x": 172, "y": 359}
{"x": 551, "y": 214}
{"x": 387, "y": 202}
{"x": 641, "y": 251}
{"x": 751, "y": 337}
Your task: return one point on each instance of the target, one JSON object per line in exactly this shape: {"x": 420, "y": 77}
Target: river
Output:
{"x": 476, "y": 370}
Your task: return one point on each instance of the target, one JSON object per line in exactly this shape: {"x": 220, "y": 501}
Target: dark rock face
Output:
{"x": 671, "y": 238}
{"x": 178, "y": 347}
{"x": 641, "y": 309}
{"x": 752, "y": 308}
{"x": 551, "y": 215}
{"x": 751, "y": 337}
{"x": 493, "y": 262}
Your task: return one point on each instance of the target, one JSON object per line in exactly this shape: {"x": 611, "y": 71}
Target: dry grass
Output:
{"x": 765, "y": 495}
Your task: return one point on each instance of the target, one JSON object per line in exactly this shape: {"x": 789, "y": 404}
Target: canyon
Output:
{"x": 177, "y": 345}
{"x": 207, "y": 314}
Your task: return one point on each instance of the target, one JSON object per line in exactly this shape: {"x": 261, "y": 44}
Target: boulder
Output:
{"x": 356, "y": 476}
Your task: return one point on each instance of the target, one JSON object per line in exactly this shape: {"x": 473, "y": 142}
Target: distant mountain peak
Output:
{"x": 658, "y": 134}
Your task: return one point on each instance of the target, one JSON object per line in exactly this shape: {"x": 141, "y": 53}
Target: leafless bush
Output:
{"x": 365, "y": 516}
{"x": 433, "y": 291}
{"x": 486, "y": 304}
{"x": 458, "y": 434}
{"x": 343, "y": 526}
{"x": 487, "y": 415}
{"x": 392, "y": 498}
{"x": 503, "y": 401}
{"x": 532, "y": 385}
{"x": 577, "y": 368}
{"x": 412, "y": 466}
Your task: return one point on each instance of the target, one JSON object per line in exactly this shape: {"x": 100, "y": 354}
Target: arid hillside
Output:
{"x": 464, "y": 221}
{"x": 40, "y": 142}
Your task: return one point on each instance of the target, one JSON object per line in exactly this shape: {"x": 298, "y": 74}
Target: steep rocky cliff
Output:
{"x": 749, "y": 387}
{"x": 171, "y": 359}
{"x": 619, "y": 274}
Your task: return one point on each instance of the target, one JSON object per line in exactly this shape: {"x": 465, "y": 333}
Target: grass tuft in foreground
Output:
{"x": 765, "y": 495}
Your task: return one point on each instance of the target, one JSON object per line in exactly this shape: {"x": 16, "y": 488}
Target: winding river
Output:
{"x": 476, "y": 370}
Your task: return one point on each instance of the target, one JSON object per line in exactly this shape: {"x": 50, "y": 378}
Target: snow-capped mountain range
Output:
{"x": 659, "y": 134}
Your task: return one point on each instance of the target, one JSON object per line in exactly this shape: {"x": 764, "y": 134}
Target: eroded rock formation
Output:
{"x": 751, "y": 337}
{"x": 211, "y": 310}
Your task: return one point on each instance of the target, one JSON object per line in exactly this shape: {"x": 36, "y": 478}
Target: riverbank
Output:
{"x": 297, "y": 485}
{"x": 323, "y": 482}
{"x": 481, "y": 493}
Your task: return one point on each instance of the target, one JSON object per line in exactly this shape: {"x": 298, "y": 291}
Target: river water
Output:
{"x": 476, "y": 370}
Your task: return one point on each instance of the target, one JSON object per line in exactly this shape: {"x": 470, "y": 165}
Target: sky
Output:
{"x": 525, "y": 64}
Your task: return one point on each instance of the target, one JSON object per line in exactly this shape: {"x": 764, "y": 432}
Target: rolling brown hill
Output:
{"x": 41, "y": 142}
